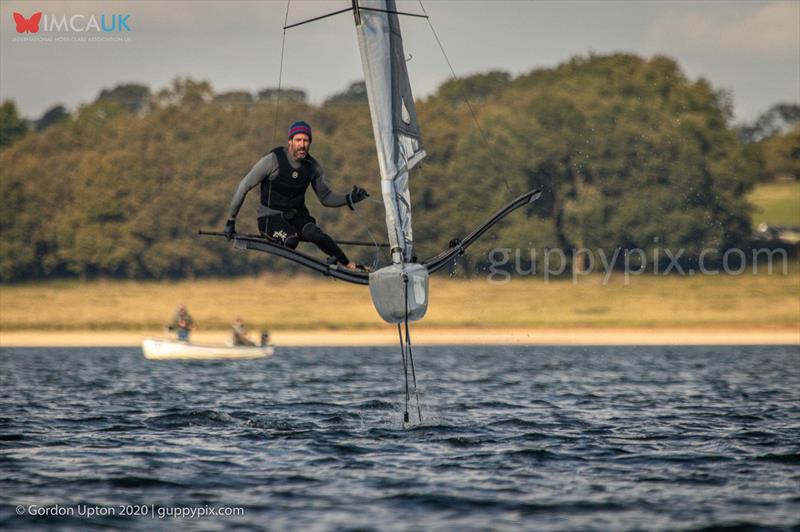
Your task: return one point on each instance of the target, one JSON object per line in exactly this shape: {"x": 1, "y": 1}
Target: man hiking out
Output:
{"x": 283, "y": 176}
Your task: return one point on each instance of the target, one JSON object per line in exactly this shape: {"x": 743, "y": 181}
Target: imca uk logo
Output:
{"x": 76, "y": 23}
{"x": 27, "y": 25}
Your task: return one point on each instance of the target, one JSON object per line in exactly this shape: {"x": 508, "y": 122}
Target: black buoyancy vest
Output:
{"x": 287, "y": 191}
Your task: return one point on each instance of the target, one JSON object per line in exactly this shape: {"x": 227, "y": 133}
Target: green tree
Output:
{"x": 477, "y": 87}
{"x": 772, "y": 142}
{"x": 778, "y": 119}
{"x": 286, "y": 95}
{"x": 356, "y": 93}
{"x": 630, "y": 153}
{"x": 234, "y": 98}
{"x": 132, "y": 96}
{"x": 12, "y": 125}
{"x": 781, "y": 154}
{"x": 51, "y": 117}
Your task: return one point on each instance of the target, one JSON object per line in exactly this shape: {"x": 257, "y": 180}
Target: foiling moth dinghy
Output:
{"x": 399, "y": 290}
{"x": 162, "y": 349}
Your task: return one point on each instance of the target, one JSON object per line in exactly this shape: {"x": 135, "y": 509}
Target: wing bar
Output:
{"x": 263, "y": 245}
{"x": 457, "y": 247}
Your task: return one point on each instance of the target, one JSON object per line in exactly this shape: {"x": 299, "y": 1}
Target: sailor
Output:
{"x": 240, "y": 336}
{"x": 182, "y": 323}
{"x": 283, "y": 176}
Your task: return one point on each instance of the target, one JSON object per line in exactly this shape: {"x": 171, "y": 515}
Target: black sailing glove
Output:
{"x": 230, "y": 228}
{"x": 356, "y": 195}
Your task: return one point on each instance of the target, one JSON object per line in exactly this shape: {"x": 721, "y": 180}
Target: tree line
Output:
{"x": 630, "y": 153}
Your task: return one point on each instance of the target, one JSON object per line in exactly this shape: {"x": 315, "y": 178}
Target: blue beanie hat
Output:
{"x": 299, "y": 127}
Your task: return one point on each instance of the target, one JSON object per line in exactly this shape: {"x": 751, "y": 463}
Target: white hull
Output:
{"x": 158, "y": 349}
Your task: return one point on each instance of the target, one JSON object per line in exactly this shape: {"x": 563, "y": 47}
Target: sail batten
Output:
{"x": 394, "y": 117}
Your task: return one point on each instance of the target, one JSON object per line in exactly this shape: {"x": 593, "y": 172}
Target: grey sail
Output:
{"x": 394, "y": 116}
{"x": 399, "y": 291}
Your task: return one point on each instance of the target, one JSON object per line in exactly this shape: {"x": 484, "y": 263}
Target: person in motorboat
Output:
{"x": 283, "y": 176}
{"x": 239, "y": 334}
{"x": 182, "y": 323}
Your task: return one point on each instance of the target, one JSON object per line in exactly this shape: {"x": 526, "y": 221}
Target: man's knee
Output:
{"x": 291, "y": 241}
{"x": 313, "y": 233}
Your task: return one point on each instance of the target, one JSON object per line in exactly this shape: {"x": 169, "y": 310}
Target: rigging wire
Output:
{"x": 275, "y": 124}
{"x": 376, "y": 258}
{"x": 458, "y": 83}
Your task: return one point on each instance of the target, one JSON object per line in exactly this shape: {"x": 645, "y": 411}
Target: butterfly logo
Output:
{"x": 28, "y": 25}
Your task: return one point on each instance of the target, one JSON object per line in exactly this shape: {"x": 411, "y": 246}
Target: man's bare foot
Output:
{"x": 354, "y": 266}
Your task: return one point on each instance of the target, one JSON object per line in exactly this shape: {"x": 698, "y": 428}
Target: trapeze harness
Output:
{"x": 286, "y": 192}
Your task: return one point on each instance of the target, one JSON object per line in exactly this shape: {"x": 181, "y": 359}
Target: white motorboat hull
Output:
{"x": 160, "y": 349}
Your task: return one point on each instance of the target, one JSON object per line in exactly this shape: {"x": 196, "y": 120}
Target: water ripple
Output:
{"x": 534, "y": 438}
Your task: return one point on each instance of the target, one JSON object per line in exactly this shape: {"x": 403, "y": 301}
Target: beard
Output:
{"x": 298, "y": 154}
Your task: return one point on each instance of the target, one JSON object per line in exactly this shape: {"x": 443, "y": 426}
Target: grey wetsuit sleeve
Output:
{"x": 326, "y": 196}
{"x": 263, "y": 169}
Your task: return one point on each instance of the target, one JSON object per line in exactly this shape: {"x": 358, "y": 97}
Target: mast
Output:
{"x": 394, "y": 118}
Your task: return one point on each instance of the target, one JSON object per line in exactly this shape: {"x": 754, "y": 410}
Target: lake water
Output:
{"x": 535, "y": 438}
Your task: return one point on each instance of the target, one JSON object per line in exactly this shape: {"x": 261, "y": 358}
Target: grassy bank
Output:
{"x": 298, "y": 303}
{"x": 776, "y": 203}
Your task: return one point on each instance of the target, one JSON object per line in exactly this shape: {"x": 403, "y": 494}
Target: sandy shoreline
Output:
{"x": 465, "y": 336}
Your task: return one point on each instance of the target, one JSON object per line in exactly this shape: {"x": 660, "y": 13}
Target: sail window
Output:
{"x": 405, "y": 116}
